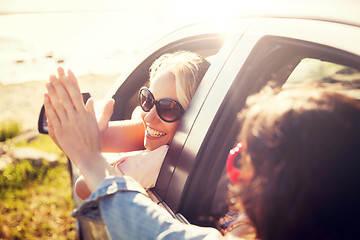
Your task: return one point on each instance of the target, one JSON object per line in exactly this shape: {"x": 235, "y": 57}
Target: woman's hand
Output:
{"x": 74, "y": 126}
{"x": 103, "y": 111}
{"x": 72, "y": 77}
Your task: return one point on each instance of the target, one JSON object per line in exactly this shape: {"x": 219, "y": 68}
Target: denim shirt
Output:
{"x": 128, "y": 213}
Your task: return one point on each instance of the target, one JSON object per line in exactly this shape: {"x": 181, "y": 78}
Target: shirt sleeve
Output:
{"x": 128, "y": 213}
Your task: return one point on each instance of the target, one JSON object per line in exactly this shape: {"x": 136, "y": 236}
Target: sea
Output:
{"x": 33, "y": 45}
{"x": 92, "y": 36}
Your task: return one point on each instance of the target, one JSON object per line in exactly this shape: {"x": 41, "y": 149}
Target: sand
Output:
{"x": 22, "y": 102}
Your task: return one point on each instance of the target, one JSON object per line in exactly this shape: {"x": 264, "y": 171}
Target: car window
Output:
{"x": 323, "y": 72}
{"x": 126, "y": 96}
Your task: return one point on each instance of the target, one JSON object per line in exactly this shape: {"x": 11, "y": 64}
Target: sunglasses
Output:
{"x": 167, "y": 109}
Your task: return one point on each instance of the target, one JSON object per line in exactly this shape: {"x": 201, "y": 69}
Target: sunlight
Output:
{"x": 220, "y": 10}
{"x": 58, "y": 6}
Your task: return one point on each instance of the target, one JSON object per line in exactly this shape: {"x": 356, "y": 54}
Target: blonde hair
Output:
{"x": 188, "y": 69}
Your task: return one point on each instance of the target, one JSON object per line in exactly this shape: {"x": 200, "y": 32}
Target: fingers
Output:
{"x": 54, "y": 100}
{"x": 51, "y": 114}
{"x": 61, "y": 72}
{"x": 67, "y": 91}
{"x": 73, "y": 79}
{"x": 90, "y": 107}
{"x": 70, "y": 85}
{"x": 109, "y": 108}
{"x": 52, "y": 133}
{"x": 107, "y": 112}
{"x": 64, "y": 95}
{"x": 60, "y": 98}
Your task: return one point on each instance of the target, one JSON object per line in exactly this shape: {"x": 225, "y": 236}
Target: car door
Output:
{"x": 272, "y": 50}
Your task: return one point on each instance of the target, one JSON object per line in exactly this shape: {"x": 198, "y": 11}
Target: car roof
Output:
{"x": 345, "y": 12}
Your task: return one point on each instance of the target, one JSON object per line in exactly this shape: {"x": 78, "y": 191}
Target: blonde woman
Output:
{"x": 174, "y": 78}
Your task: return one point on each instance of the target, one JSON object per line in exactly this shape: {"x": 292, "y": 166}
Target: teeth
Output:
{"x": 154, "y": 133}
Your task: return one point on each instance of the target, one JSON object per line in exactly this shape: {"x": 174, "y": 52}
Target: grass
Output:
{"x": 36, "y": 201}
{"x": 9, "y": 129}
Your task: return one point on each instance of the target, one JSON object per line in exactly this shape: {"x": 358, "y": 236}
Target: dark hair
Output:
{"x": 304, "y": 146}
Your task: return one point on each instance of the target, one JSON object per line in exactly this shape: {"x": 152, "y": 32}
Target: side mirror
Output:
{"x": 43, "y": 123}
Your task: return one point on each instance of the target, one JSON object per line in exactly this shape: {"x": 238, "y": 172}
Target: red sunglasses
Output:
{"x": 234, "y": 173}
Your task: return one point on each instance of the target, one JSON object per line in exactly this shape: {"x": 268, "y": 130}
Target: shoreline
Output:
{"x": 22, "y": 102}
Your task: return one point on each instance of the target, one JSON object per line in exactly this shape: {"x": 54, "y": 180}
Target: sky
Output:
{"x": 174, "y": 8}
{"x": 68, "y": 5}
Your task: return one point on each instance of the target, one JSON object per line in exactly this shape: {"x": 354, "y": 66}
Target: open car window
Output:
{"x": 316, "y": 71}
{"x": 137, "y": 110}
{"x": 128, "y": 85}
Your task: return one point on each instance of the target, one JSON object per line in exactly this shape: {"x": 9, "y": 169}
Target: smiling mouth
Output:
{"x": 154, "y": 133}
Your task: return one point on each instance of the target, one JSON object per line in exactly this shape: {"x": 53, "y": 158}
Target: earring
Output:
{"x": 234, "y": 174}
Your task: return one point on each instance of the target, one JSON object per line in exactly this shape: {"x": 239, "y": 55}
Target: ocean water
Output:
{"x": 91, "y": 36}
{"x": 32, "y": 45}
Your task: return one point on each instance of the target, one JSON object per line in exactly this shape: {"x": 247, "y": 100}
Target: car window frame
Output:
{"x": 192, "y": 203}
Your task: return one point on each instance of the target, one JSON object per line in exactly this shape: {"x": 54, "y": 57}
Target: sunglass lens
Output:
{"x": 146, "y": 100}
{"x": 169, "y": 110}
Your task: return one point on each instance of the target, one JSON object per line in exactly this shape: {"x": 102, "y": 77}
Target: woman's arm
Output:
{"x": 124, "y": 136}
{"x": 117, "y": 136}
{"x": 123, "y": 206}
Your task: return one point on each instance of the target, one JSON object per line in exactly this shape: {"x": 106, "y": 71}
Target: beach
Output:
{"x": 95, "y": 45}
{"x": 22, "y": 101}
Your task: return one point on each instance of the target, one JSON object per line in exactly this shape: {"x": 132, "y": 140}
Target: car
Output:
{"x": 246, "y": 53}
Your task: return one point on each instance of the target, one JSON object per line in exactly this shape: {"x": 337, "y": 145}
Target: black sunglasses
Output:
{"x": 167, "y": 109}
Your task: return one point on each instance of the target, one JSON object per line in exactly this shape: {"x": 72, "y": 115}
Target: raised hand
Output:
{"x": 74, "y": 127}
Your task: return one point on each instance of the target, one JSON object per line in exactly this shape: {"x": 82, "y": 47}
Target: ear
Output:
{"x": 237, "y": 175}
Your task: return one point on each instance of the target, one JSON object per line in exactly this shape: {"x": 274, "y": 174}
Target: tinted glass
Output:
{"x": 311, "y": 70}
{"x": 146, "y": 100}
{"x": 169, "y": 109}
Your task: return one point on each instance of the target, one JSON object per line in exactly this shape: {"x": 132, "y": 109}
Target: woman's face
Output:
{"x": 157, "y": 131}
